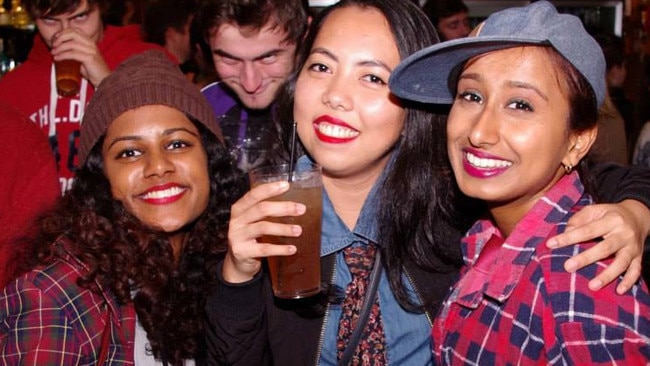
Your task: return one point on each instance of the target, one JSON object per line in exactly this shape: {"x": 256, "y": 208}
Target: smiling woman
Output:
{"x": 524, "y": 104}
{"x": 135, "y": 240}
{"x": 137, "y": 157}
{"x": 386, "y": 190}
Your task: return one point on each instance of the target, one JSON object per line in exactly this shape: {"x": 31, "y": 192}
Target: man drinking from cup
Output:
{"x": 71, "y": 31}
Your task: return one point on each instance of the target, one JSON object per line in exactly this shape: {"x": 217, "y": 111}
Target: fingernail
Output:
{"x": 300, "y": 208}
{"x": 292, "y": 249}
{"x": 570, "y": 265}
{"x": 296, "y": 230}
{"x": 283, "y": 185}
{"x": 552, "y": 243}
{"x": 595, "y": 284}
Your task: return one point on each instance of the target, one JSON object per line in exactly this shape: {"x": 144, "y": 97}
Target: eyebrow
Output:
{"x": 139, "y": 138}
{"x": 371, "y": 62}
{"x": 512, "y": 84}
{"x": 522, "y": 85}
{"x": 81, "y": 13}
{"x": 273, "y": 52}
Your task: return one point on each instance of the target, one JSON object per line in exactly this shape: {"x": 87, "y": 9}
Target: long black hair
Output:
{"x": 417, "y": 199}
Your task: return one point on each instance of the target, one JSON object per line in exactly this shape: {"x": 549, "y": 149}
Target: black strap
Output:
{"x": 368, "y": 301}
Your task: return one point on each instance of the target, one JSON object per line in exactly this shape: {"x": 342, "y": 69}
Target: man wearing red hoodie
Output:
{"x": 67, "y": 29}
{"x": 28, "y": 186}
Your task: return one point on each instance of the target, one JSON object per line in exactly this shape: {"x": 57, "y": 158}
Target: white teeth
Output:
{"x": 486, "y": 163}
{"x": 169, "y": 192}
{"x": 336, "y": 131}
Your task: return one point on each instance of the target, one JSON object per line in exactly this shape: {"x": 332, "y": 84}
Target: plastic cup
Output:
{"x": 68, "y": 77}
{"x": 248, "y": 142}
{"x": 296, "y": 276}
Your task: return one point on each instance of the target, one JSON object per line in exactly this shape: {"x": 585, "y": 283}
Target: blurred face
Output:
{"x": 85, "y": 18}
{"x": 178, "y": 43}
{"x": 508, "y": 128}
{"x": 347, "y": 119}
{"x": 157, "y": 166}
{"x": 453, "y": 27}
{"x": 254, "y": 64}
{"x": 616, "y": 76}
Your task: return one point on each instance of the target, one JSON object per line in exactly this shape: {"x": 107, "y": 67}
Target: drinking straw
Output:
{"x": 292, "y": 150}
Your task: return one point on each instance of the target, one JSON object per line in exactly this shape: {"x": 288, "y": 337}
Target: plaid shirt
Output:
{"x": 515, "y": 304}
{"x": 47, "y": 319}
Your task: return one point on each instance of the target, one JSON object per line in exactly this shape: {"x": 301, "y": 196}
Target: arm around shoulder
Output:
{"x": 616, "y": 183}
{"x": 623, "y": 225}
{"x": 596, "y": 328}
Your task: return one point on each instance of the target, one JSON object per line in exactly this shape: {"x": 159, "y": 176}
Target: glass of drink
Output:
{"x": 249, "y": 141}
{"x": 68, "y": 77}
{"x": 296, "y": 276}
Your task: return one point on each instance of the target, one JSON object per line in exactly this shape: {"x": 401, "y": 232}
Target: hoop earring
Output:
{"x": 567, "y": 168}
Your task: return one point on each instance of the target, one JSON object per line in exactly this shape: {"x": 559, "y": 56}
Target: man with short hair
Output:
{"x": 167, "y": 23}
{"x": 67, "y": 30}
{"x": 253, "y": 46}
{"x": 450, "y": 17}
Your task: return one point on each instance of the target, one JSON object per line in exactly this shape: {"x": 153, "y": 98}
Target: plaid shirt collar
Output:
{"x": 494, "y": 264}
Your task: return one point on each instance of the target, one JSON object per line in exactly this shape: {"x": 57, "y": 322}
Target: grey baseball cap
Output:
{"x": 425, "y": 75}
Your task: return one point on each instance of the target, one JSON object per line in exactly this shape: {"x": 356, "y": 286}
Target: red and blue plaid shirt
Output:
{"x": 516, "y": 305}
{"x": 47, "y": 319}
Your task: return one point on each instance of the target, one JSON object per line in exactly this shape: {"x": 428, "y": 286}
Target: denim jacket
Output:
{"x": 407, "y": 334}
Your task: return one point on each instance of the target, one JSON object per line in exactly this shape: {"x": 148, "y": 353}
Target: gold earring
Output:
{"x": 567, "y": 168}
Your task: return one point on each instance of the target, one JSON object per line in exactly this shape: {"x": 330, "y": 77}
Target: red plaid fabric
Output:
{"x": 523, "y": 308}
{"x": 47, "y": 319}
{"x": 371, "y": 349}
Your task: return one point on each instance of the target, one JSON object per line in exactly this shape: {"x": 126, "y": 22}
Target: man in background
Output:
{"x": 253, "y": 45}
{"x": 450, "y": 17}
{"x": 67, "y": 30}
{"x": 167, "y": 23}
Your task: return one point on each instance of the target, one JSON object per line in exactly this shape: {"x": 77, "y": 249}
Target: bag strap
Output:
{"x": 366, "y": 307}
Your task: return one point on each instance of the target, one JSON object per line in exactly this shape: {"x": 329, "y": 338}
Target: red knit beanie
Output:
{"x": 148, "y": 78}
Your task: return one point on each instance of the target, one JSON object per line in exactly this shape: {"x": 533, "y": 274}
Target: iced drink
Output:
{"x": 68, "y": 77}
{"x": 298, "y": 275}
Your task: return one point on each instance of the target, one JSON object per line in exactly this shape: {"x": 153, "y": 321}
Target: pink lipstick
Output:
{"x": 479, "y": 164}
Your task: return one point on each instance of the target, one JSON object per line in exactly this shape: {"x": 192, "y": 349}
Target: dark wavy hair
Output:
{"x": 416, "y": 211}
{"x": 289, "y": 15}
{"x": 123, "y": 255}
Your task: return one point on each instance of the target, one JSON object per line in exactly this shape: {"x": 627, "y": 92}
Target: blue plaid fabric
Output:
{"x": 520, "y": 307}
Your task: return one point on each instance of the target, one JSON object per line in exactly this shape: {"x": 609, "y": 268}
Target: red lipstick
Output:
{"x": 334, "y": 123}
{"x": 163, "y": 194}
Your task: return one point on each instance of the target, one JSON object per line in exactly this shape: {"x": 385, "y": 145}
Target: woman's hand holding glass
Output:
{"x": 247, "y": 223}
